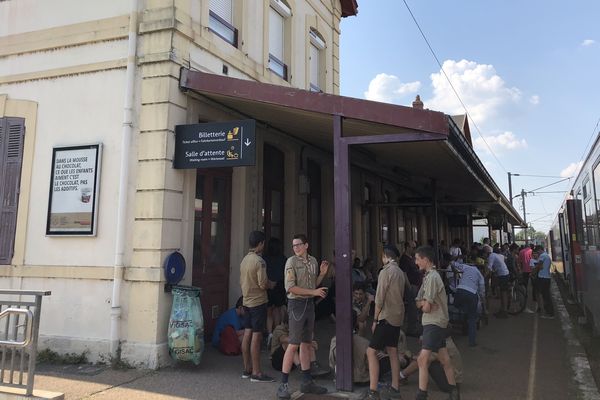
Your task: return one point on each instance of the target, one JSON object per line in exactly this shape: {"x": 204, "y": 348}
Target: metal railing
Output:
{"x": 19, "y": 330}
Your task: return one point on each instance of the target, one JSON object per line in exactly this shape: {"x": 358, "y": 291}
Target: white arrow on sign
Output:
{"x": 247, "y": 142}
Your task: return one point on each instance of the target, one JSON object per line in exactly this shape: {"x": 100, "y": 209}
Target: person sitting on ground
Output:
{"x": 361, "y": 304}
{"x": 233, "y": 318}
{"x": 455, "y": 360}
{"x": 279, "y": 344}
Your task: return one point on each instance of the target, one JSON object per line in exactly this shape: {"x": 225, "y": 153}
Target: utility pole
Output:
{"x": 510, "y": 188}
{"x": 524, "y": 215}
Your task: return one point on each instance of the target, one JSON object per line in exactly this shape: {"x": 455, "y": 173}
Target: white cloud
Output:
{"x": 535, "y": 99}
{"x": 481, "y": 89}
{"x": 588, "y": 42}
{"x": 499, "y": 143}
{"x": 389, "y": 89}
{"x": 571, "y": 170}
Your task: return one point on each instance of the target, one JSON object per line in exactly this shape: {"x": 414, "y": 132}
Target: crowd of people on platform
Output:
{"x": 417, "y": 292}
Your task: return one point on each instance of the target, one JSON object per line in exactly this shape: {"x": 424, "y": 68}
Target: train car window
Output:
{"x": 590, "y": 224}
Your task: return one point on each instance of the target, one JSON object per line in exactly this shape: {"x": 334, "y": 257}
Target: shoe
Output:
{"x": 261, "y": 378}
{"x": 372, "y": 395}
{"x": 546, "y": 316}
{"x": 283, "y": 391}
{"x": 246, "y": 375}
{"x": 316, "y": 370}
{"x": 393, "y": 393}
{"x": 403, "y": 381}
{"x": 454, "y": 394}
{"x": 528, "y": 310}
{"x": 421, "y": 395}
{"x": 312, "y": 387}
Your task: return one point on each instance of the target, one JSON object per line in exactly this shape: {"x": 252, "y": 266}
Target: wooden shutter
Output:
{"x": 12, "y": 131}
{"x": 314, "y": 67}
{"x": 276, "y": 33}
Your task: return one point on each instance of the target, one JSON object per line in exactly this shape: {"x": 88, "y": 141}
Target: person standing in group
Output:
{"x": 387, "y": 320}
{"x": 302, "y": 276}
{"x": 543, "y": 279}
{"x": 433, "y": 301}
{"x": 524, "y": 262}
{"x": 470, "y": 290}
{"x": 254, "y": 283}
{"x": 275, "y": 260}
{"x": 497, "y": 266}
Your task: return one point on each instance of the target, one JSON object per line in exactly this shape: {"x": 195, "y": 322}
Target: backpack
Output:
{"x": 230, "y": 344}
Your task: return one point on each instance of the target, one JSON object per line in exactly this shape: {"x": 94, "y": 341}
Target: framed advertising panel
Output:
{"x": 74, "y": 189}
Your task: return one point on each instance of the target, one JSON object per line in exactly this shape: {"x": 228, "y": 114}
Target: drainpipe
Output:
{"x": 126, "y": 133}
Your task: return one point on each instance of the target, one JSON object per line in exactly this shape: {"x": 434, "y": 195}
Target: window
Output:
{"x": 220, "y": 20}
{"x": 317, "y": 45}
{"x": 12, "y": 132}
{"x": 278, "y": 13}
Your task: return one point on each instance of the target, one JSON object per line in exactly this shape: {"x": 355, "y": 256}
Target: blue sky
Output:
{"x": 528, "y": 72}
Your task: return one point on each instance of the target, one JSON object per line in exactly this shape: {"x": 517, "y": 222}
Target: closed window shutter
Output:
{"x": 314, "y": 66}
{"x": 276, "y": 24}
{"x": 223, "y": 8}
{"x": 12, "y": 132}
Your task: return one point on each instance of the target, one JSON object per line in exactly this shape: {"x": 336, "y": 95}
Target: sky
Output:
{"x": 528, "y": 73}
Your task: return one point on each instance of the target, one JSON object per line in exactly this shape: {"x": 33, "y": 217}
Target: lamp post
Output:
{"x": 510, "y": 196}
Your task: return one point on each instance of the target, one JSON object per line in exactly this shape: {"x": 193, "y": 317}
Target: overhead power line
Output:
{"x": 453, "y": 88}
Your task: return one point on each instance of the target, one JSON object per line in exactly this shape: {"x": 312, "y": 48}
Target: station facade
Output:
{"x": 122, "y": 75}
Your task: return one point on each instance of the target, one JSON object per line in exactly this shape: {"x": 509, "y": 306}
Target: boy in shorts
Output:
{"x": 433, "y": 301}
{"x": 387, "y": 320}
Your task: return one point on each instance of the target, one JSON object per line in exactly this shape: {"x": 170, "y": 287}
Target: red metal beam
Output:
{"x": 347, "y": 107}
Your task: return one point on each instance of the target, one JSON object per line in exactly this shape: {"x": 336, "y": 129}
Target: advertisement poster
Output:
{"x": 72, "y": 206}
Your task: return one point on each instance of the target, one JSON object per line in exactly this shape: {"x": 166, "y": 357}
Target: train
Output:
{"x": 574, "y": 238}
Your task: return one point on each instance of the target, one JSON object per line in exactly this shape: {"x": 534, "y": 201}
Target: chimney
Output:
{"x": 418, "y": 103}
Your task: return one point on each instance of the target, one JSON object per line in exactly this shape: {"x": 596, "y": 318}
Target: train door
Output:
{"x": 575, "y": 230}
{"x": 212, "y": 225}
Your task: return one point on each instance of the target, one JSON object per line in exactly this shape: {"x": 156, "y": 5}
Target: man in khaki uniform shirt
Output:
{"x": 388, "y": 318}
{"x": 254, "y": 283}
{"x": 433, "y": 301}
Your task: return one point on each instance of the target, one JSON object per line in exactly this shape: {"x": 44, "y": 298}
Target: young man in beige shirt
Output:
{"x": 433, "y": 301}
{"x": 387, "y": 320}
{"x": 254, "y": 283}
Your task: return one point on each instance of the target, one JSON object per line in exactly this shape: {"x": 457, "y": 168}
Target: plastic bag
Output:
{"x": 186, "y": 325}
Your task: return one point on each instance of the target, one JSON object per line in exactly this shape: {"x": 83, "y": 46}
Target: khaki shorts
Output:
{"x": 301, "y": 314}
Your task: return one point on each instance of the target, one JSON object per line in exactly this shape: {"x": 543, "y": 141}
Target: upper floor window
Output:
{"x": 317, "y": 45}
{"x": 220, "y": 20}
{"x": 278, "y": 13}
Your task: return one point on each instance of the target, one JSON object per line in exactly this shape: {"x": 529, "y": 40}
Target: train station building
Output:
{"x": 95, "y": 94}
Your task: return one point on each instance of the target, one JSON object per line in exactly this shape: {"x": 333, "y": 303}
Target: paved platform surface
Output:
{"x": 520, "y": 358}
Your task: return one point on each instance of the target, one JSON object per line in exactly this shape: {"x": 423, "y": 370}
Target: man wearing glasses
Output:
{"x": 302, "y": 276}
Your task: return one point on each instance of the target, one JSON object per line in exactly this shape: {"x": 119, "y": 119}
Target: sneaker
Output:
{"x": 403, "y": 380}
{"x": 546, "y": 316}
{"x": 261, "y": 378}
{"x": 316, "y": 370}
{"x": 372, "y": 395}
{"x": 394, "y": 393}
{"x": 312, "y": 387}
{"x": 283, "y": 391}
{"x": 421, "y": 395}
{"x": 454, "y": 394}
{"x": 528, "y": 310}
{"x": 246, "y": 375}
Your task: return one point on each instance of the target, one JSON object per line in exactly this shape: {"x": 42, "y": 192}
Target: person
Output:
{"x": 302, "y": 278}
{"x": 361, "y": 304}
{"x": 387, "y": 321}
{"x": 279, "y": 344}
{"x": 524, "y": 261}
{"x": 433, "y": 301}
{"x": 275, "y": 261}
{"x": 232, "y": 317}
{"x": 254, "y": 283}
{"x": 455, "y": 360}
{"x": 470, "y": 290}
{"x": 407, "y": 264}
{"x": 497, "y": 266}
{"x": 486, "y": 246}
{"x": 543, "y": 278}
{"x": 325, "y": 307}
{"x": 455, "y": 251}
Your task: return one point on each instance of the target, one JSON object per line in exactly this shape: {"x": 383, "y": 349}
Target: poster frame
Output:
{"x": 96, "y": 190}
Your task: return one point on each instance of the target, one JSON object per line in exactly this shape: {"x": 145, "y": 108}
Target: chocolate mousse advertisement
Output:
{"x": 74, "y": 185}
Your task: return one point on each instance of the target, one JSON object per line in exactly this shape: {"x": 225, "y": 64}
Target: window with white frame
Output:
{"x": 317, "y": 45}
{"x": 220, "y": 20}
{"x": 278, "y": 13}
